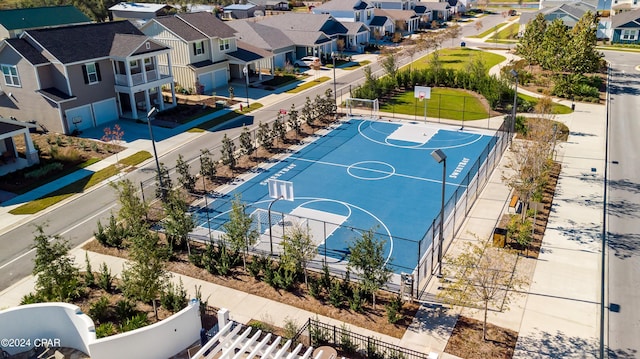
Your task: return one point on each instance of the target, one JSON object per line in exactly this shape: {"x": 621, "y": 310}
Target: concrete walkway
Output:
{"x": 556, "y": 317}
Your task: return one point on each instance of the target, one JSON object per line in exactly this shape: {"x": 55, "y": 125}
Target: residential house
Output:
{"x": 440, "y": 11}
{"x": 381, "y": 26}
{"x": 406, "y": 21}
{"x": 205, "y": 54}
{"x": 58, "y": 79}
{"x": 312, "y": 34}
{"x": 268, "y": 38}
{"x": 457, "y": 6}
{"x": 393, "y": 4}
{"x": 241, "y": 11}
{"x": 15, "y": 21}
{"x": 569, "y": 13}
{"x": 424, "y": 14}
{"x": 139, "y": 11}
{"x": 355, "y": 15}
{"x": 271, "y": 5}
{"x": 625, "y": 27}
{"x": 9, "y": 160}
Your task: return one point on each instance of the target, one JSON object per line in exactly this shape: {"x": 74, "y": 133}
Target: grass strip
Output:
{"x": 445, "y": 103}
{"x": 224, "y": 118}
{"x": 459, "y": 58}
{"x": 357, "y": 65}
{"x": 78, "y": 186}
{"x": 309, "y": 84}
{"x": 556, "y": 109}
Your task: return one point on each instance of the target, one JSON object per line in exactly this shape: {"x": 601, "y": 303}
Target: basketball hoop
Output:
{"x": 421, "y": 97}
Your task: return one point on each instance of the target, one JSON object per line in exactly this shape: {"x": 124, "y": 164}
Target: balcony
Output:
{"x": 139, "y": 79}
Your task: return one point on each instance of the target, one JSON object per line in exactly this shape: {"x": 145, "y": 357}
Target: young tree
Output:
{"x": 278, "y": 128}
{"x": 133, "y": 210}
{"x": 240, "y": 231}
{"x": 227, "y": 152}
{"x": 530, "y": 44}
{"x": 114, "y": 136}
{"x": 294, "y": 121}
{"x": 390, "y": 64}
{"x": 163, "y": 182}
{"x": 185, "y": 177}
{"x": 307, "y": 112}
{"x": 298, "y": 249}
{"x": 555, "y": 46}
{"x": 57, "y": 277}
{"x": 177, "y": 222}
{"x": 144, "y": 277}
{"x": 481, "y": 276}
{"x": 583, "y": 57}
{"x": 246, "y": 142}
{"x": 367, "y": 259}
{"x": 265, "y": 136}
{"x": 453, "y": 32}
{"x": 207, "y": 166}
{"x": 478, "y": 25}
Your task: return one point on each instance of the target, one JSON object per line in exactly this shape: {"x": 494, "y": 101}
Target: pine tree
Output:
{"x": 265, "y": 136}
{"x": 187, "y": 180}
{"x": 246, "y": 142}
{"x": 294, "y": 121}
{"x": 530, "y": 45}
{"x": 133, "y": 211}
{"x": 583, "y": 57}
{"x": 555, "y": 47}
{"x": 227, "y": 152}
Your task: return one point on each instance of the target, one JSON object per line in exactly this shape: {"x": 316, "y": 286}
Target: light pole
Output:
{"x": 440, "y": 157}
{"x": 512, "y": 125}
{"x": 150, "y": 115}
{"x": 335, "y": 94}
{"x": 245, "y": 71}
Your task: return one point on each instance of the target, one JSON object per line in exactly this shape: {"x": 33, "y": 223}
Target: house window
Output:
{"x": 91, "y": 73}
{"x": 368, "y": 14}
{"x": 133, "y": 64}
{"x": 198, "y": 48}
{"x": 629, "y": 35}
{"x": 148, "y": 61}
{"x": 225, "y": 44}
{"x": 358, "y": 16}
{"x": 10, "y": 75}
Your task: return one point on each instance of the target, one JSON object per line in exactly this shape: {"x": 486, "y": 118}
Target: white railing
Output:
{"x": 137, "y": 79}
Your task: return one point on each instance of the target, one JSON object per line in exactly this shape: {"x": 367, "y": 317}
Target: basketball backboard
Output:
{"x": 280, "y": 189}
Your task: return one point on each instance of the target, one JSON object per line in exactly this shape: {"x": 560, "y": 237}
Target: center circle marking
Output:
{"x": 383, "y": 170}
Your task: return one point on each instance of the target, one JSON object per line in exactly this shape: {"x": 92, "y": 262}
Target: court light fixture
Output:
{"x": 150, "y": 115}
{"x": 441, "y": 157}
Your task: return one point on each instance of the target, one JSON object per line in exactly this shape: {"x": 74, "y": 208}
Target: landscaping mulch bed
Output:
{"x": 466, "y": 340}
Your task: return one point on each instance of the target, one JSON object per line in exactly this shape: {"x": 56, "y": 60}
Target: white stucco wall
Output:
{"x": 48, "y": 321}
{"x": 159, "y": 340}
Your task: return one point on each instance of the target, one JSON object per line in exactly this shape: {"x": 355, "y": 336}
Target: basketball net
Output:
{"x": 421, "y": 98}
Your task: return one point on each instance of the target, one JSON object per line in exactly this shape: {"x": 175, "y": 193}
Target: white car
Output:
{"x": 307, "y": 61}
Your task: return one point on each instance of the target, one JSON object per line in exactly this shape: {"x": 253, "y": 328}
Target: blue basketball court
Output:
{"x": 365, "y": 175}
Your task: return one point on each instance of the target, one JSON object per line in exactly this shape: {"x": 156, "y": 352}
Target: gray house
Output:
{"x": 268, "y": 38}
{"x": 65, "y": 83}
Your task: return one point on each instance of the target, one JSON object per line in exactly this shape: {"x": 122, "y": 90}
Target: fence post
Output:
{"x": 368, "y": 347}
{"x": 309, "y": 329}
{"x": 334, "y": 335}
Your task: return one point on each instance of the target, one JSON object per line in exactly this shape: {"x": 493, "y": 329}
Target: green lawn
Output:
{"x": 78, "y": 186}
{"x": 557, "y": 108}
{"x": 509, "y": 32}
{"x": 226, "y": 117}
{"x": 487, "y": 32}
{"x": 309, "y": 84}
{"x": 458, "y": 58}
{"x": 445, "y": 103}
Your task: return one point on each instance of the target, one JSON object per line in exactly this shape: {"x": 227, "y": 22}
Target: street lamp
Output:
{"x": 152, "y": 113}
{"x": 335, "y": 94}
{"x": 512, "y": 125}
{"x": 245, "y": 71}
{"x": 440, "y": 157}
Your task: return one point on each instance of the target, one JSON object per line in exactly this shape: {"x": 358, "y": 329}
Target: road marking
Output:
{"x": 68, "y": 230}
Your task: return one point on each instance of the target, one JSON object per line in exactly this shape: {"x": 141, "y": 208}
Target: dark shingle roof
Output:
{"x": 180, "y": 28}
{"x": 256, "y": 34}
{"x": 82, "y": 42}
{"x": 27, "y": 51}
{"x": 624, "y": 17}
{"x": 55, "y": 95}
{"x": 343, "y": 5}
{"x": 248, "y": 53}
{"x": 125, "y": 45}
{"x": 30, "y": 18}
{"x": 208, "y": 23}
{"x": 8, "y": 126}
{"x": 378, "y": 21}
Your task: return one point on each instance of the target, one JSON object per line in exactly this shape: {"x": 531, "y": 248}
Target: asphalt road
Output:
{"x": 76, "y": 220}
{"x": 623, "y": 204}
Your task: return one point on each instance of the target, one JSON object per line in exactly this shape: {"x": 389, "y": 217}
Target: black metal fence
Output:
{"x": 351, "y": 344}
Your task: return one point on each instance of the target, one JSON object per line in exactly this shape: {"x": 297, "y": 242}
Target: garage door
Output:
{"x": 206, "y": 80}
{"x": 79, "y": 118}
{"x": 105, "y": 111}
{"x": 220, "y": 78}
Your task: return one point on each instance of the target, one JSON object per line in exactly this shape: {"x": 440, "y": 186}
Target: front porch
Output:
{"x": 9, "y": 160}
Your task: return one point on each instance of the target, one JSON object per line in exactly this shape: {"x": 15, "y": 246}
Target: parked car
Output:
{"x": 307, "y": 61}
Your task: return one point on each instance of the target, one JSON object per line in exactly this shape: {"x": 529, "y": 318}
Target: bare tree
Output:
{"x": 453, "y": 32}
{"x": 478, "y": 24}
{"x": 481, "y": 276}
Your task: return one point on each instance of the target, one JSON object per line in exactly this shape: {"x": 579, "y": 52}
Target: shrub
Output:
{"x": 105, "y": 330}
{"x": 196, "y": 259}
{"x": 112, "y": 235}
{"x": 319, "y": 336}
{"x": 174, "y": 298}
{"x": 99, "y": 310}
{"x": 356, "y": 300}
{"x": 325, "y": 280}
{"x": 44, "y": 170}
{"x": 394, "y": 308}
{"x": 336, "y": 296}
{"x": 346, "y": 344}
{"x": 290, "y": 329}
{"x": 314, "y": 287}
{"x": 284, "y": 278}
{"x": 67, "y": 154}
{"x": 258, "y": 325}
{"x": 254, "y": 267}
{"x": 31, "y": 298}
{"x": 125, "y": 309}
{"x": 137, "y": 321}
{"x": 105, "y": 280}
{"x": 89, "y": 278}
